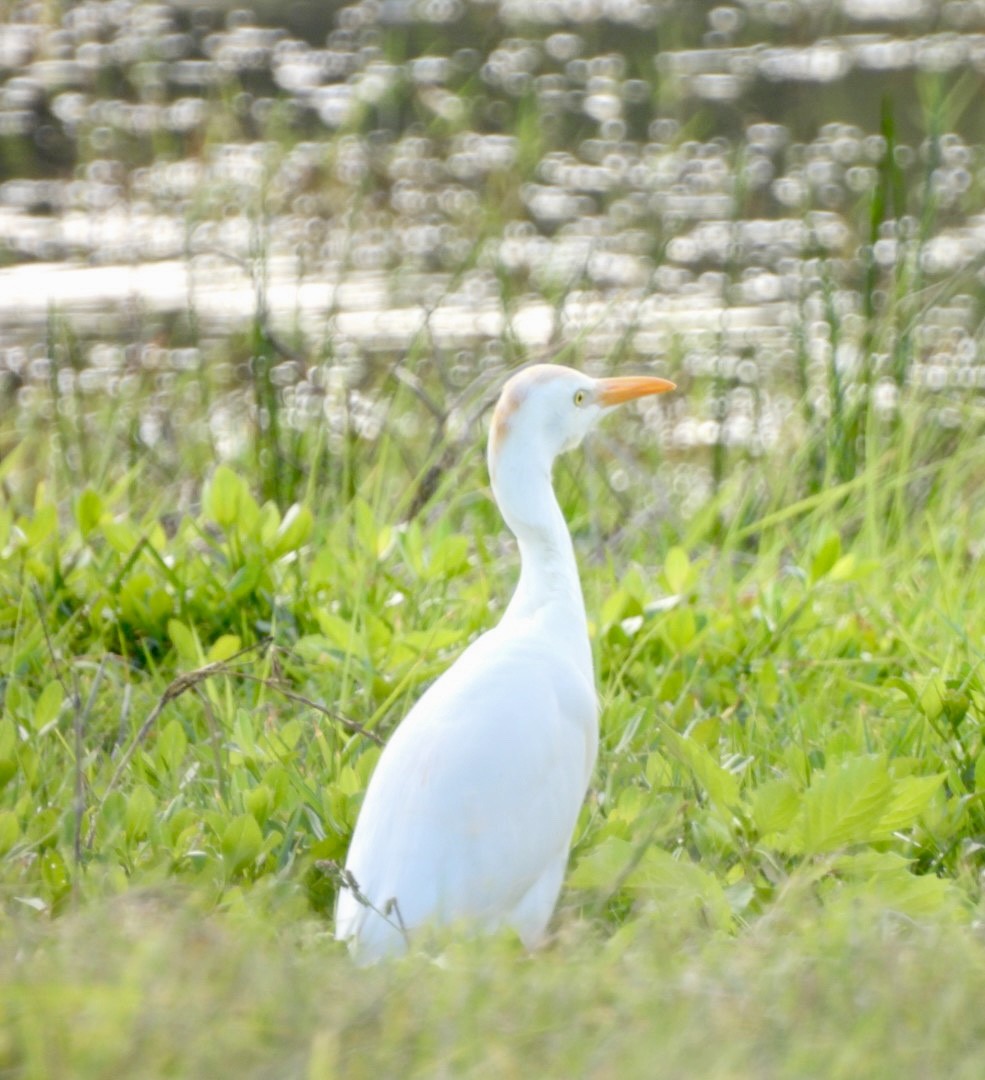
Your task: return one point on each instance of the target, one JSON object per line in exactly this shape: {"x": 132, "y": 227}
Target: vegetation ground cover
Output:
{"x": 778, "y": 868}
{"x": 783, "y": 837}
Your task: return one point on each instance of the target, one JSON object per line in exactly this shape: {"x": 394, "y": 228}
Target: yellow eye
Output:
{"x": 580, "y": 396}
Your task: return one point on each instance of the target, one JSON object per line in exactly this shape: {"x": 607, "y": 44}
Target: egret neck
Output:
{"x": 549, "y": 589}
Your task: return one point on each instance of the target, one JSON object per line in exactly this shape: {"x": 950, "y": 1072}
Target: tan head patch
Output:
{"x": 509, "y": 401}
{"x": 513, "y": 396}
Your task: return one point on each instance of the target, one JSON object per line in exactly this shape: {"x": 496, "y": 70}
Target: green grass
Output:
{"x": 777, "y": 869}
{"x": 150, "y": 987}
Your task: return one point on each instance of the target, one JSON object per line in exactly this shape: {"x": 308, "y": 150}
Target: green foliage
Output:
{"x": 798, "y": 719}
{"x": 778, "y": 868}
{"x": 838, "y": 990}
{"x": 195, "y": 688}
{"x": 792, "y": 762}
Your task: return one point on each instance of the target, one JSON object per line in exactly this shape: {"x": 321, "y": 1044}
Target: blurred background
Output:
{"x": 228, "y": 223}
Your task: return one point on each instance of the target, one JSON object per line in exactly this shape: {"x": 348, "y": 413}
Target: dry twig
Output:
{"x": 190, "y": 679}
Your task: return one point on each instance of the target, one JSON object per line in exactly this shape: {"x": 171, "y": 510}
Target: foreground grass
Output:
{"x": 149, "y": 987}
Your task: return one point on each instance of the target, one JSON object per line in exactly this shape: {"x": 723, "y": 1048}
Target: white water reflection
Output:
{"x": 360, "y": 306}
{"x": 550, "y": 186}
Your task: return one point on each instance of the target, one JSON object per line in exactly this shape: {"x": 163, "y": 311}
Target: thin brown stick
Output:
{"x": 189, "y": 679}
{"x": 345, "y": 879}
{"x": 124, "y": 721}
{"x": 73, "y": 694}
{"x": 292, "y": 695}
{"x": 81, "y": 718}
{"x": 623, "y": 876}
{"x": 174, "y": 689}
{"x": 216, "y": 740}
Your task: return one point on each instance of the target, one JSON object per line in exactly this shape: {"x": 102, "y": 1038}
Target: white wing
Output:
{"x": 470, "y": 811}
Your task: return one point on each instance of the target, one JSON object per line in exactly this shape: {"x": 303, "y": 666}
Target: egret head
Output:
{"x": 547, "y": 409}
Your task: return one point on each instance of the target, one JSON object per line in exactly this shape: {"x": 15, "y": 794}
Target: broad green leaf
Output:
{"x": 910, "y": 797}
{"x": 171, "y": 746}
{"x": 122, "y": 536}
{"x": 29, "y": 762}
{"x": 10, "y": 830}
{"x": 42, "y": 826}
{"x": 224, "y": 647}
{"x": 679, "y": 885}
{"x": 349, "y": 781}
{"x": 721, "y": 786}
{"x": 659, "y": 773}
{"x": 340, "y": 632}
{"x": 48, "y": 705}
{"x": 675, "y": 884}
{"x": 678, "y": 570}
{"x": 378, "y": 632}
{"x": 284, "y": 784}
{"x": 932, "y": 698}
{"x": 324, "y": 569}
{"x": 112, "y": 812}
{"x": 54, "y": 873}
{"x": 885, "y": 879}
{"x": 827, "y": 554}
{"x": 268, "y": 522}
{"x": 316, "y": 649}
{"x": 424, "y": 649}
{"x": 843, "y": 806}
{"x": 259, "y": 801}
{"x": 907, "y": 688}
{"x": 706, "y": 732}
{"x": 8, "y": 732}
{"x": 224, "y": 496}
{"x": 248, "y": 517}
{"x": 774, "y": 805}
{"x": 956, "y": 704}
{"x": 289, "y": 734}
{"x": 88, "y": 511}
{"x": 42, "y": 525}
{"x": 679, "y": 628}
{"x": 244, "y": 729}
{"x": 245, "y": 581}
{"x": 184, "y": 641}
{"x": 846, "y": 568}
{"x": 241, "y": 843}
{"x": 139, "y": 813}
{"x": 384, "y": 541}
{"x": 980, "y": 774}
{"x": 294, "y": 531}
{"x": 768, "y": 685}
{"x": 8, "y": 767}
{"x": 450, "y": 556}
{"x": 365, "y": 765}
{"x": 602, "y": 866}
{"x": 671, "y": 685}
{"x": 614, "y": 607}
{"x": 869, "y": 865}
{"x": 631, "y": 804}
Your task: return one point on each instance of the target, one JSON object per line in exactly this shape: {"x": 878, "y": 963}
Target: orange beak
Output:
{"x": 628, "y": 387}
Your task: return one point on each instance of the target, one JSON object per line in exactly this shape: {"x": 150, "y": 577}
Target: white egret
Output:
{"x": 469, "y": 814}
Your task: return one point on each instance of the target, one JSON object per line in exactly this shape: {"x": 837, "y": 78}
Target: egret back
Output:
{"x": 469, "y": 814}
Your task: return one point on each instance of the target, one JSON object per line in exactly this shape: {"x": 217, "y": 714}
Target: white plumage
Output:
{"x": 469, "y": 815}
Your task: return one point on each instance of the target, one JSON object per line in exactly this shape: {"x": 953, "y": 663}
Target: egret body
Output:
{"x": 469, "y": 814}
